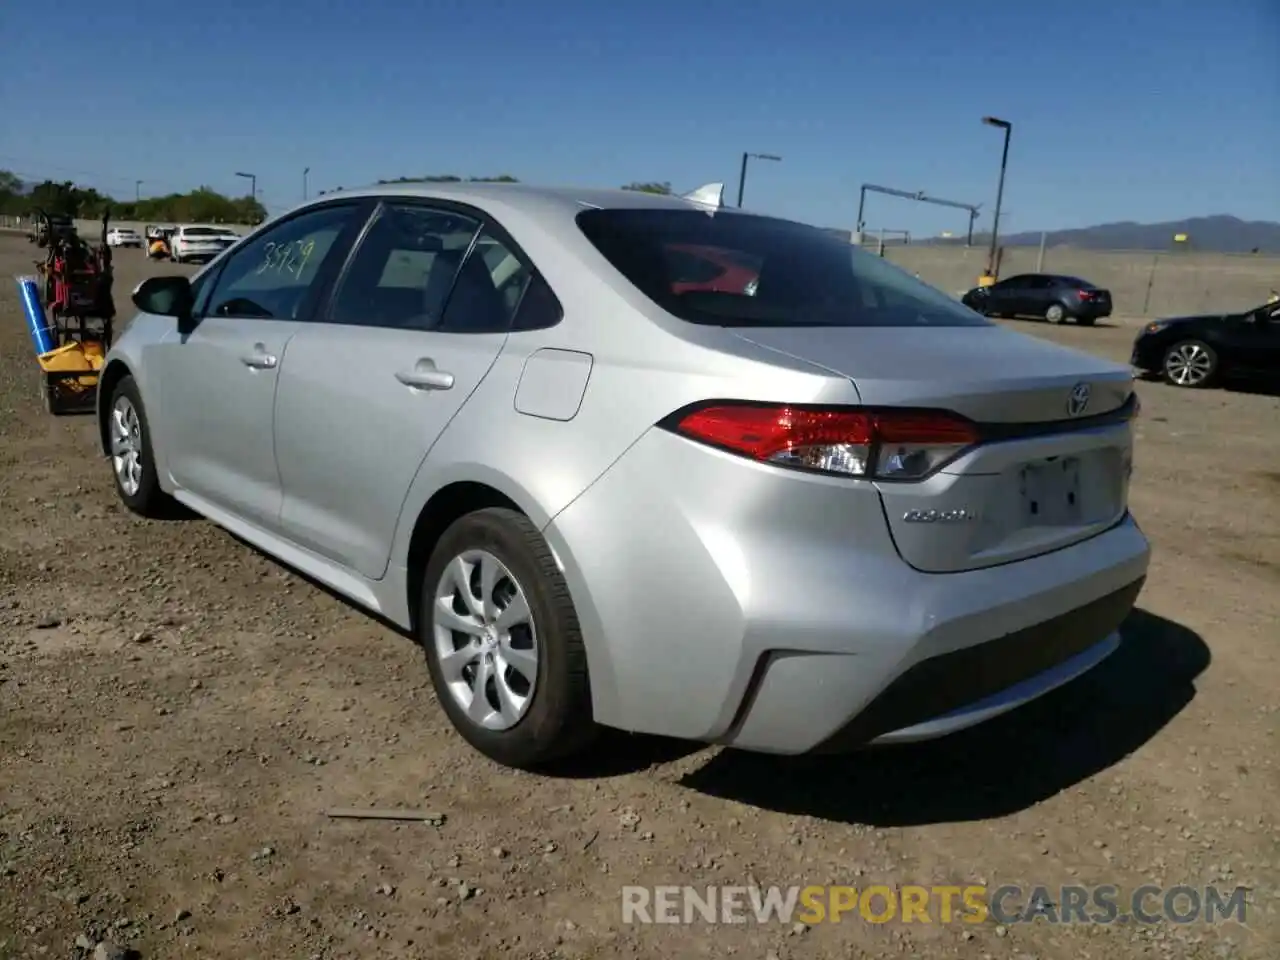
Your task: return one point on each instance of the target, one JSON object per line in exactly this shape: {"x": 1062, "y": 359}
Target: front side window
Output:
{"x": 269, "y": 276}
{"x": 736, "y": 270}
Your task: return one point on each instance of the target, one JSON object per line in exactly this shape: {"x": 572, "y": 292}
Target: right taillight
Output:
{"x": 880, "y": 444}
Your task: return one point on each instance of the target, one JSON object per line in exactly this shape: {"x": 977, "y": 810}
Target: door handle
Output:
{"x": 259, "y": 361}
{"x": 423, "y": 377}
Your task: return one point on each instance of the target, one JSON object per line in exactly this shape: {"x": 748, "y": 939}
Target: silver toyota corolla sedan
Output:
{"x": 642, "y": 462}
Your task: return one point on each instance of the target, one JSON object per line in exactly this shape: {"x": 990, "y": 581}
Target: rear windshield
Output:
{"x": 201, "y": 232}
{"x": 1076, "y": 282}
{"x": 732, "y": 270}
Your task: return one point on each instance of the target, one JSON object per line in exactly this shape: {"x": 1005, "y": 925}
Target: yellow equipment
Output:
{"x": 70, "y": 376}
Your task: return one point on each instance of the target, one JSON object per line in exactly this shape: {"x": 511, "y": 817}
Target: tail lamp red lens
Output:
{"x": 878, "y": 444}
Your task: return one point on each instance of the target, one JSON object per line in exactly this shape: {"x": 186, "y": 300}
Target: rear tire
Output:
{"x": 1056, "y": 313}
{"x": 131, "y": 454}
{"x": 480, "y": 655}
{"x": 1190, "y": 363}
{"x": 1085, "y": 321}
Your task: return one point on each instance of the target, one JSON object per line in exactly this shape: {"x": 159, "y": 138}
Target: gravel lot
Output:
{"x": 177, "y": 713}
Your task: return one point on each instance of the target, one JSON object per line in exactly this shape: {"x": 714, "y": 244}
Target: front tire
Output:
{"x": 130, "y": 451}
{"x": 503, "y": 643}
{"x": 1190, "y": 363}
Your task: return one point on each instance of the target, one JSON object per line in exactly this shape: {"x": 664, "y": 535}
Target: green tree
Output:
{"x": 452, "y": 178}
{"x": 66, "y": 198}
{"x": 663, "y": 188}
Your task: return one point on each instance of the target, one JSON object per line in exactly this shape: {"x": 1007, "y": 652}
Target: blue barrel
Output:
{"x": 37, "y": 322}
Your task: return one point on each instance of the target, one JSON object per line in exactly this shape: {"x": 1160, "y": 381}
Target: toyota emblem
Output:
{"x": 1078, "y": 400}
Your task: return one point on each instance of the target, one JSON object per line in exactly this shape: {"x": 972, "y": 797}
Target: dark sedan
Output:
{"x": 1055, "y": 298}
{"x": 1197, "y": 351}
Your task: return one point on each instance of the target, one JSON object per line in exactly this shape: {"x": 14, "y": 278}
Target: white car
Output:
{"x": 200, "y": 242}
{"x": 123, "y": 237}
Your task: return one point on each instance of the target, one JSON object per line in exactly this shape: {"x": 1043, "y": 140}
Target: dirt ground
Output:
{"x": 178, "y": 712}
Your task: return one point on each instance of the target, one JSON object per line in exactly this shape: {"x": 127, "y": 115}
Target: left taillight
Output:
{"x": 878, "y": 444}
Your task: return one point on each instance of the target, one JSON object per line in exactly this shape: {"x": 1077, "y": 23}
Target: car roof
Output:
{"x": 526, "y": 198}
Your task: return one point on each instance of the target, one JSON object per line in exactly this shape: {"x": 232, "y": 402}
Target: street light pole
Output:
{"x": 137, "y": 190}
{"x": 1007, "y": 127}
{"x": 253, "y": 183}
{"x": 742, "y": 174}
{"x": 305, "y": 171}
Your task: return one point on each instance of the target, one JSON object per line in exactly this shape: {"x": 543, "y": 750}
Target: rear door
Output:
{"x": 416, "y": 322}
{"x": 218, "y": 383}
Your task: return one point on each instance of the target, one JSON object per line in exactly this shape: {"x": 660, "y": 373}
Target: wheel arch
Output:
{"x": 453, "y": 498}
{"x": 478, "y": 489}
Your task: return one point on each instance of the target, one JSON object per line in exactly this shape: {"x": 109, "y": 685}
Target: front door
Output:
{"x": 218, "y": 382}
{"x": 1003, "y": 296}
{"x": 416, "y": 322}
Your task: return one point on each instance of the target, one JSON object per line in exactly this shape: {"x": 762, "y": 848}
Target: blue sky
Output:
{"x": 1146, "y": 110}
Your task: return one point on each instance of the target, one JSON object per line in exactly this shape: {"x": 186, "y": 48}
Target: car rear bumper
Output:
{"x": 198, "y": 252}
{"x": 1097, "y": 311}
{"x": 768, "y": 610}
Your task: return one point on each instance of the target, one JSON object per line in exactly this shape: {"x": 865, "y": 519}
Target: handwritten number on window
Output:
{"x": 289, "y": 259}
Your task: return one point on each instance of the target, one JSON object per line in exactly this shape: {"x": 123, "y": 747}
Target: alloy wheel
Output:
{"x": 485, "y": 639}
{"x": 1188, "y": 364}
{"x": 126, "y": 446}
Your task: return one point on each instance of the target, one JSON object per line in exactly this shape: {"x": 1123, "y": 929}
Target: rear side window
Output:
{"x": 539, "y": 308}
{"x": 737, "y": 270}
{"x": 402, "y": 273}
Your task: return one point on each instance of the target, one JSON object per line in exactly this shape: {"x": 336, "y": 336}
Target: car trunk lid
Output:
{"x": 1053, "y": 467}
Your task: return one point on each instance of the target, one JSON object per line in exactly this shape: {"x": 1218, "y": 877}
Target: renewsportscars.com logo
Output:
{"x": 1006, "y": 904}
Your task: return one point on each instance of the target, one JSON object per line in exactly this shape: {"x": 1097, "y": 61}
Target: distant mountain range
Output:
{"x": 1221, "y": 234}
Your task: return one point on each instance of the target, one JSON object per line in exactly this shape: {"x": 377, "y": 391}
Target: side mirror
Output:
{"x": 167, "y": 297}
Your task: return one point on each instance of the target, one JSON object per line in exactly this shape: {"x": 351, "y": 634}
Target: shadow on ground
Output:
{"x": 1266, "y": 387}
{"x": 997, "y": 768}
{"x": 1260, "y": 386}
